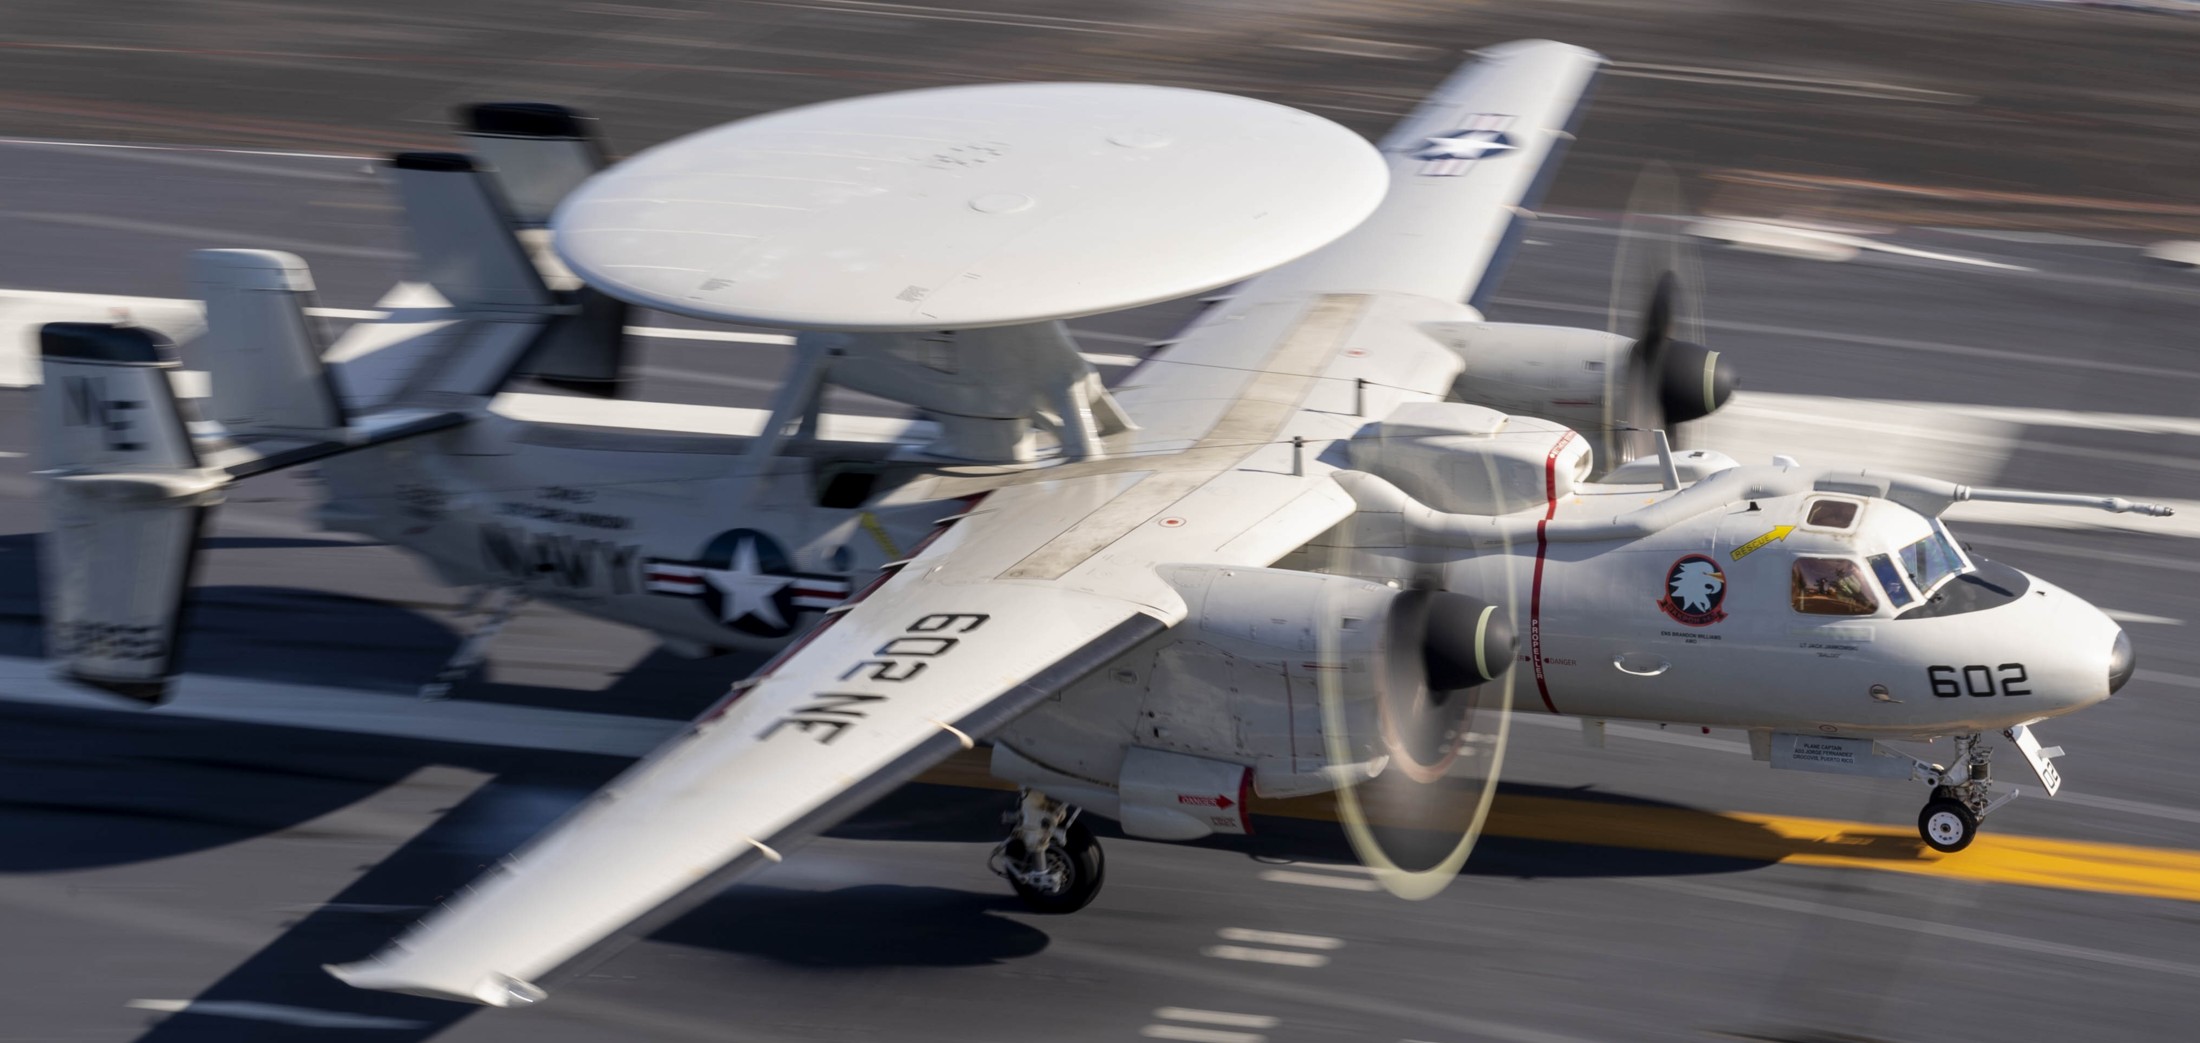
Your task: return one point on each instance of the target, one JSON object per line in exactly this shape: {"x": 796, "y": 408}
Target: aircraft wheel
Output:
{"x": 1072, "y": 875}
{"x": 1947, "y": 825}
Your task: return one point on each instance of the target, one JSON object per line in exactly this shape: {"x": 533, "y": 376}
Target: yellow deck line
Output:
{"x": 2070, "y": 865}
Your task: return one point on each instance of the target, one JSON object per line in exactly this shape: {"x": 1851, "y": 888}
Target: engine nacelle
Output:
{"x": 1561, "y": 373}
{"x": 1579, "y": 377}
{"x": 1453, "y": 640}
{"x": 1470, "y": 459}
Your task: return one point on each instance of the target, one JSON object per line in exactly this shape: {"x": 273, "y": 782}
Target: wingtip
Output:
{"x": 493, "y": 990}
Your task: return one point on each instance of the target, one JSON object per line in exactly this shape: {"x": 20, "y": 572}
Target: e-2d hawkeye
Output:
{"x": 1313, "y": 544}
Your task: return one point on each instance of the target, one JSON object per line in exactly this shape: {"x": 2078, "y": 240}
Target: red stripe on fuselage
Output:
{"x": 1535, "y": 589}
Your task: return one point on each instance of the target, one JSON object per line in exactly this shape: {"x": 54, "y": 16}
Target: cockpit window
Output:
{"x": 1832, "y": 587}
{"x": 1832, "y": 514}
{"x": 1890, "y": 577}
{"x": 1932, "y": 560}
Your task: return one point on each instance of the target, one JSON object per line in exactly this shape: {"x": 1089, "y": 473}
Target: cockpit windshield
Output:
{"x": 1932, "y": 561}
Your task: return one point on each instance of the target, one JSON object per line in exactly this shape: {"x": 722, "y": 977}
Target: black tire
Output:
{"x": 1086, "y": 870}
{"x": 1947, "y": 825}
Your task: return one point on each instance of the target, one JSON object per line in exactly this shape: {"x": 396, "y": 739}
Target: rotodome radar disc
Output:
{"x": 960, "y": 207}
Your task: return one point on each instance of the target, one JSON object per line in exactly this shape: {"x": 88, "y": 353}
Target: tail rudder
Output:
{"x": 538, "y": 154}
{"x": 127, "y": 500}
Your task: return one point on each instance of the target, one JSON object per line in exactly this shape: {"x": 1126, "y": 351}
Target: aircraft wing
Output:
{"x": 926, "y": 660}
{"x": 1467, "y": 170}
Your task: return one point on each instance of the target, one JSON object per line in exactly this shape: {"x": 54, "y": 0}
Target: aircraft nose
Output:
{"x": 2121, "y": 662}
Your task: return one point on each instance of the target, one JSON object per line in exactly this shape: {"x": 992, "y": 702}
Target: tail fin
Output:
{"x": 263, "y": 353}
{"x": 464, "y": 238}
{"x": 470, "y": 250}
{"x": 128, "y": 499}
{"x": 538, "y": 154}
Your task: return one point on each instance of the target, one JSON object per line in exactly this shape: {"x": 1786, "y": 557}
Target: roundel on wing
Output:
{"x": 745, "y": 580}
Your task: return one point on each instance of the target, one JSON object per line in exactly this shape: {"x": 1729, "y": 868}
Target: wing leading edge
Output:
{"x": 890, "y": 688}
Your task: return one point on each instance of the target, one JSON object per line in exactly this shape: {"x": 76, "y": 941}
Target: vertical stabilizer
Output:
{"x": 107, "y": 404}
{"x": 537, "y": 152}
{"x": 464, "y": 237}
{"x": 261, "y": 351}
{"x": 127, "y": 500}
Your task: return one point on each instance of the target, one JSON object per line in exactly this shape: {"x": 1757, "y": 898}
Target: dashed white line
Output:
{"x": 1335, "y": 867}
{"x": 1303, "y": 941}
{"x": 1279, "y": 957}
{"x": 1191, "y": 1034}
{"x": 1340, "y": 883}
{"x": 2124, "y": 616}
{"x": 1216, "y": 1017}
{"x": 55, "y": 143}
{"x": 286, "y": 1015}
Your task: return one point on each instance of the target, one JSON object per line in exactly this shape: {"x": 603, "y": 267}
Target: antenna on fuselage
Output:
{"x": 1669, "y": 474}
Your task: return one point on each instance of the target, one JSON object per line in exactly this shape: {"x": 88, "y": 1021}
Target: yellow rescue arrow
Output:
{"x": 1779, "y": 532}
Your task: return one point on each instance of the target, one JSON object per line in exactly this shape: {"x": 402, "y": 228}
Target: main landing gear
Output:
{"x": 1050, "y": 858}
{"x": 495, "y": 605}
{"x": 1963, "y": 794}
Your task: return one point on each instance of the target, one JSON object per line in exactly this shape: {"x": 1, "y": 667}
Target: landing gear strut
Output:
{"x": 1050, "y": 858}
{"x": 496, "y": 604}
{"x": 1963, "y": 794}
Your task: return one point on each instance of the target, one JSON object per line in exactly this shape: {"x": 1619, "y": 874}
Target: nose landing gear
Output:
{"x": 1962, "y": 796}
{"x": 1050, "y": 858}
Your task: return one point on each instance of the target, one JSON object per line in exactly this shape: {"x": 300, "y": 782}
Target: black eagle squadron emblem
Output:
{"x": 745, "y": 581}
{"x": 1694, "y": 591}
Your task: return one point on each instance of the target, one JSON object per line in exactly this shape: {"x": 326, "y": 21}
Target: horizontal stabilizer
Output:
{"x": 129, "y": 484}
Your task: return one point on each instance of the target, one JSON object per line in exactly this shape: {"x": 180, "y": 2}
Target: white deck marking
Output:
{"x": 1967, "y": 935}
{"x": 1199, "y": 1035}
{"x": 357, "y": 712}
{"x": 2125, "y": 616}
{"x": 1340, "y": 883}
{"x": 2077, "y": 361}
{"x": 56, "y": 143}
{"x": 2173, "y": 680}
{"x": 1302, "y": 941}
{"x": 205, "y": 236}
{"x": 1781, "y": 81}
{"x": 1216, "y": 1017}
{"x": 1279, "y": 957}
{"x": 276, "y": 1012}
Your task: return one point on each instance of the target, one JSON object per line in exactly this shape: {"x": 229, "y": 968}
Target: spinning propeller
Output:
{"x": 1669, "y": 377}
{"x": 1421, "y": 718}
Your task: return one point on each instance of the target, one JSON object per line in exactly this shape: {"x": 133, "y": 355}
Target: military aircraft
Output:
{"x": 1312, "y": 545}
